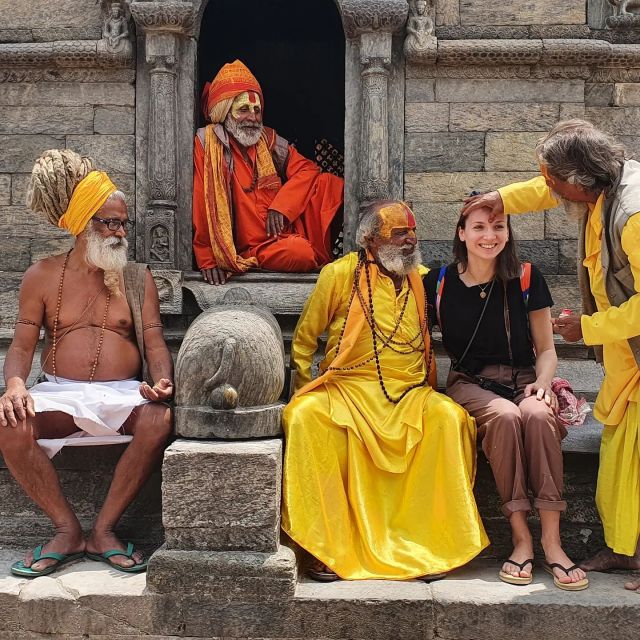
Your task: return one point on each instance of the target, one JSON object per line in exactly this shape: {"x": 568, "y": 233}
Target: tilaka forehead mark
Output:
{"x": 396, "y": 216}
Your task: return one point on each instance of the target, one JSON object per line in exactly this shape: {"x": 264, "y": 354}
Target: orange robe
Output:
{"x": 309, "y": 200}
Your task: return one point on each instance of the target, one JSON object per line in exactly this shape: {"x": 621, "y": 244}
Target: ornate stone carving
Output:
{"x": 375, "y": 55}
{"x": 159, "y": 237}
{"x": 626, "y": 14}
{"x": 169, "y": 285}
{"x": 489, "y": 52}
{"x": 160, "y": 250}
{"x": 503, "y": 72}
{"x": 67, "y": 53}
{"x": 420, "y": 43}
{"x": 552, "y": 52}
{"x": 360, "y": 16}
{"x": 116, "y": 36}
{"x": 568, "y": 52}
{"x": 178, "y": 17}
{"x": 230, "y": 372}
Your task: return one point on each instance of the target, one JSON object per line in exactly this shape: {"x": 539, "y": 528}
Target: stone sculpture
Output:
{"x": 420, "y": 42}
{"x": 622, "y": 7}
{"x": 230, "y": 372}
{"x": 626, "y": 14}
{"x": 115, "y": 29}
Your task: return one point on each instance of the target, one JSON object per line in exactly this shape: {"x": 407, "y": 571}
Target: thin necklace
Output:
{"x": 57, "y": 319}
{"x": 483, "y": 288}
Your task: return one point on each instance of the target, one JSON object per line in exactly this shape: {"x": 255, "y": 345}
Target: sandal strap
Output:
{"x": 520, "y": 565}
{"x": 555, "y": 565}
{"x": 52, "y": 555}
{"x": 118, "y": 552}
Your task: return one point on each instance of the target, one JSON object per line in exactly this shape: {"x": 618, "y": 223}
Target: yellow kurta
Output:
{"x": 618, "y": 490}
{"x": 375, "y": 489}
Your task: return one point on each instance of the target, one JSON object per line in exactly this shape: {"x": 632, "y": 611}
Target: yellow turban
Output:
{"x": 88, "y": 196}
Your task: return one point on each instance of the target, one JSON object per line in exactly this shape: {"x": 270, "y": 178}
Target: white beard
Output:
{"x": 394, "y": 261}
{"x": 246, "y": 135}
{"x": 108, "y": 254}
{"x": 574, "y": 210}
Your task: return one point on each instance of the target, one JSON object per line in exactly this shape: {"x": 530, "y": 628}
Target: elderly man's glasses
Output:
{"x": 114, "y": 224}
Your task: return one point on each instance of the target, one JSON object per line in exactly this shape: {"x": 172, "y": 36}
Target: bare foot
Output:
{"x": 101, "y": 541}
{"x": 634, "y": 585}
{"x": 554, "y": 554}
{"x": 522, "y": 550}
{"x": 606, "y": 559}
{"x": 66, "y": 542}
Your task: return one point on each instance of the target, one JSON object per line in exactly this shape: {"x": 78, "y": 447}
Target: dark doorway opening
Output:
{"x": 296, "y": 50}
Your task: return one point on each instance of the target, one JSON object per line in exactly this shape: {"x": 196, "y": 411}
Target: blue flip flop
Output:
{"x": 107, "y": 555}
{"x": 19, "y": 568}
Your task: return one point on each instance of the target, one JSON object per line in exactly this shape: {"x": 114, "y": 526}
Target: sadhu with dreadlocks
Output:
{"x": 102, "y": 328}
{"x": 379, "y": 467}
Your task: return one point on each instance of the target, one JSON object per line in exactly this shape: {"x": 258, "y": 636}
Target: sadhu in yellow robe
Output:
{"x": 371, "y": 488}
{"x": 618, "y": 490}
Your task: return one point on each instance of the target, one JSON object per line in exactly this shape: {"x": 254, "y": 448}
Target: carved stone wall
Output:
{"x": 60, "y": 86}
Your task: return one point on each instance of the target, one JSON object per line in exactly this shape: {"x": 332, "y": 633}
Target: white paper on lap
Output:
{"x": 99, "y": 409}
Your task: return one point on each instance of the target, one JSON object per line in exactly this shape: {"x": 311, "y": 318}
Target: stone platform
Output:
{"x": 88, "y": 601}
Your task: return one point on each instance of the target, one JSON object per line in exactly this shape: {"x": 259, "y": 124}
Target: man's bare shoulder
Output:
{"x": 39, "y": 275}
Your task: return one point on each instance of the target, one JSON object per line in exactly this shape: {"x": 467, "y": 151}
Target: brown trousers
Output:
{"x": 521, "y": 439}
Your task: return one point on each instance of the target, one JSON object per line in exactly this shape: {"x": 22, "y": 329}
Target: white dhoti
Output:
{"x": 99, "y": 409}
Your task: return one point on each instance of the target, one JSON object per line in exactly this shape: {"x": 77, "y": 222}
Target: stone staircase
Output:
{"x": 225, "y": 572}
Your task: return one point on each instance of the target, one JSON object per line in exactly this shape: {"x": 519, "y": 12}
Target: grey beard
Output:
{"x": 574, "y": 210}
{"x": 246, "y": 135}
{"x": 394, "y": 261}
{"x": 108, "y": 254}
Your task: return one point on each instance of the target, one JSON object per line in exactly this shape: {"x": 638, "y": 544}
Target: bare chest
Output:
{"x": 86, "y": 303}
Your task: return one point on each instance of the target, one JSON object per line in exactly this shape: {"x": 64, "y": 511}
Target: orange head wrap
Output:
{"x": 232, "y": 80}
{"x": 88, "y": 196}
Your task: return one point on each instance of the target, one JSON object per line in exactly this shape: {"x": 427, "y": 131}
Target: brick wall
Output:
{"x": 479, "y": 133}
{"x": 91, "y": 111}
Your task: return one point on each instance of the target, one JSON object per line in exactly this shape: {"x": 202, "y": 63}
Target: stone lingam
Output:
{"x": 230, "y": 372}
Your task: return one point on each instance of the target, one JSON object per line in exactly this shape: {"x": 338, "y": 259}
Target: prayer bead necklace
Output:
{"x": 370, "y": 317}
{"x": 424, "y": 380}
{"x": 385, "y": 339}
{"x": 57, "y": 319}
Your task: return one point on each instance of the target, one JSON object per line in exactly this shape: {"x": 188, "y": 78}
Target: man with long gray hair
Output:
{"x": 586, "y": 170}
{"x": 379, "y": 467}
{"x": 101, "y": 319}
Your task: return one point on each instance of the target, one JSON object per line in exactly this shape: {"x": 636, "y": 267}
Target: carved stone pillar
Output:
{"x": 374, "y": 122}
{"x": 163, "y": 28}
{"x": 159, "y": 237}
{"x": 375, "y": 56}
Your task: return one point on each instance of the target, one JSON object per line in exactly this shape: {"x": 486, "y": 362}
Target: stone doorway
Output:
{"x": 296, "y": 50}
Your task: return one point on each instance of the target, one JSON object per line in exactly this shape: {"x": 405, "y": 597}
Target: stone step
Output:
{"x": 89, "y": 600}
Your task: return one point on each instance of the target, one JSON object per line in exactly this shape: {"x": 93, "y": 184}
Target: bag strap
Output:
{"x": 439, "y": 288}
{"x": 134, "y": 277}
{"x": 525, "y": 283}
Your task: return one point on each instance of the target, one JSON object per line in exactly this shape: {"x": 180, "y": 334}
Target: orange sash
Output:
{"x": 217, "y": 199}
{"x": 355, "y": 324}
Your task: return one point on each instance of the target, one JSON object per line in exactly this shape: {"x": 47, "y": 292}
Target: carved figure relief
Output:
{"x": 626, "y": 14}
{"x": 116, "y": 35}
{"x": 160, "y": 244}
{"x": 621, "y": 7}
{"x": 420, "y": 42}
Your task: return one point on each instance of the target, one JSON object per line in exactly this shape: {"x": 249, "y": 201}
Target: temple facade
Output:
{"x": 440, "y": 97}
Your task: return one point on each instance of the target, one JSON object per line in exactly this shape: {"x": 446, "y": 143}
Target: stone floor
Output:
{"x": 89, "y": 601}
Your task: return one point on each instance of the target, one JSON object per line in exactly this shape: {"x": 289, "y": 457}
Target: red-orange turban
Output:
{"x": 232, "y": 80}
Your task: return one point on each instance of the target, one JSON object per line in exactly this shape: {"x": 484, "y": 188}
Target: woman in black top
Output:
{"x": 502, "y": 367}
